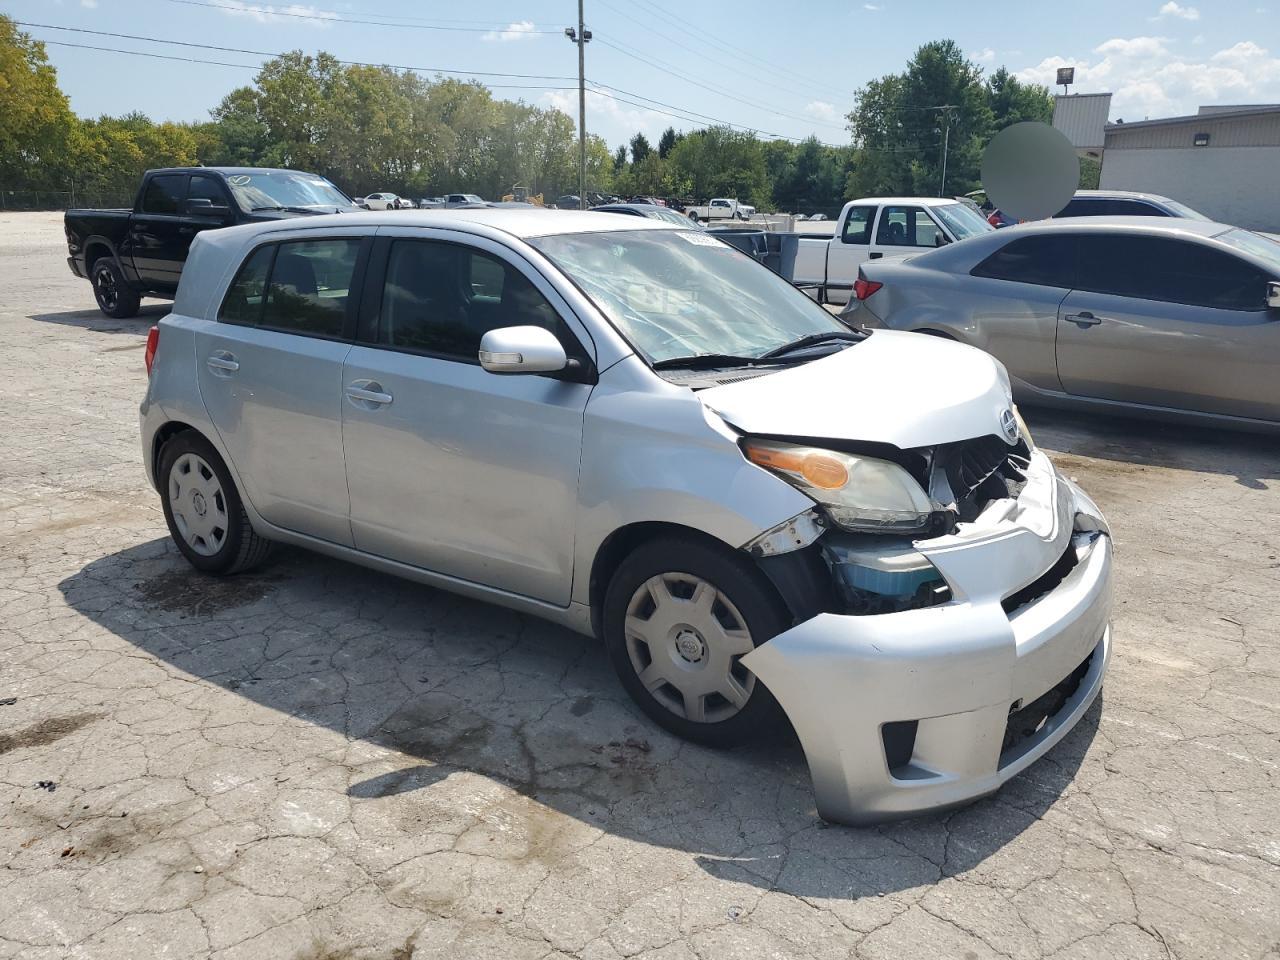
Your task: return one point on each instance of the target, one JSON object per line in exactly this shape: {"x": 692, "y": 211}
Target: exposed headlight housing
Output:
{"x": 857, "y": 493}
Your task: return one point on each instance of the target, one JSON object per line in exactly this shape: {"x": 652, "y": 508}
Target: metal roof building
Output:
{"x": 1224, "y": 161}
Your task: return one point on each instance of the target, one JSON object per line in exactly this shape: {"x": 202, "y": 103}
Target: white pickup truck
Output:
{"x": 720, "y": 208}
{"x": 876, "y": 227}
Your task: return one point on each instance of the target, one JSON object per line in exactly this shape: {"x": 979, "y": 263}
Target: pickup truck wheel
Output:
{"x": 693, "y": 217}
{"x": 114, "y": 295}
{"x": 679, "y": 616}
{"x": 203, "y": 510}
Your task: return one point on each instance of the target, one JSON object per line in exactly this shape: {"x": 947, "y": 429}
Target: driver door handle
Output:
{"x": 1083, "y": 319}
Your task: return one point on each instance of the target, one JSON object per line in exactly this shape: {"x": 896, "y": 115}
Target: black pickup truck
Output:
{"x": 129, "y": 254}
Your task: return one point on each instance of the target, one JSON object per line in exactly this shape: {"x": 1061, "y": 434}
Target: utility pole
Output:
{"x": 580, "y": 37}
{"x": 944, "y": 114}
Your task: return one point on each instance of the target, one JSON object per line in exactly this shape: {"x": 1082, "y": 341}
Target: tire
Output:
{"x": 114, "y": 295}
{"x": 202, "y": 507}
{"x": 698, "y": 646}
{"x": 693, "y": 217}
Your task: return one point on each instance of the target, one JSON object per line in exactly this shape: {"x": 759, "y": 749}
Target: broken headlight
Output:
{"x": 858, "y": 493}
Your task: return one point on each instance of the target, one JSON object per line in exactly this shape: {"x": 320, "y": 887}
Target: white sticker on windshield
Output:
{"x": 239, "y": 180}
{"x": 701, "y": 239}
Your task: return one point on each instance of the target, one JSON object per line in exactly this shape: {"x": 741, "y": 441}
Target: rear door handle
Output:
{"x": 222, "y": 363}
{"x": 875, "y": 256}
{"x": 369, "y": 391}
{"x": 1083, "y": 319}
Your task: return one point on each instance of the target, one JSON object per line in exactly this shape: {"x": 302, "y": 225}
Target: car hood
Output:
{"x": 904, "y": 389}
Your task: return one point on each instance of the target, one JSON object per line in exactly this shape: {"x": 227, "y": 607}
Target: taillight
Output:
{"x": 863, "y": 288}
{"x": 994, "y": 219}
{"x": 153, "y": 341}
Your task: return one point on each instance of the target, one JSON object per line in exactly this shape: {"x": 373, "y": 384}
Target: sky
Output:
{"x": 785, "y": 69}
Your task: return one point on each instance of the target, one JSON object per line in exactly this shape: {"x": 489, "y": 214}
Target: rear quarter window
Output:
{"x": 1044, "y": 261}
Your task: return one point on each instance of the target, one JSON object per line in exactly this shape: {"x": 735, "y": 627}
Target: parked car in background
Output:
{"x": 1125, "y": 203}
{"x": 718, "y": 209}
{"x": 877, "y": 227}
{"x": 751, "y": 505}
{"x": 649, "y": 210}
{"x": 383, "y": 201}
{"x": 129, "y": 254}
{"x": 463, "y": 200}
{"x": 999, "y": 219}
{"x": 430, "y": 203}
{"x": 1167, "y": 318}
{"x": 570, "y": 201}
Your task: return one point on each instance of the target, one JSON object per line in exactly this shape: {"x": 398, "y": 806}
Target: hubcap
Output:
{"x": 198, "y": 505}
{"x": 685, "y": 640}
{"x": 106, "y": 287}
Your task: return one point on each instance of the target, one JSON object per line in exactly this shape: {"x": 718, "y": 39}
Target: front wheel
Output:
{"x": 114, "y": 295}
{"x": 693, "y": 217}
{"x": 679, "y": 616}
{"x": 203, "y": 510}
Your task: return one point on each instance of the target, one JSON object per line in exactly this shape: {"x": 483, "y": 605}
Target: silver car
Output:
{"x": 1174, "y": 319}
{"x": 632, "y": 429}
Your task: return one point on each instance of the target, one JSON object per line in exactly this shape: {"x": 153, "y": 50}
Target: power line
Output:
{"x": 722, "y": 61}
{"x": 335, "y": 18}
{"x": 269, "y": 55}
{"x": 667, "y": 68}
{"x": 254, "y": 66}
{"x": 711, "y": 37}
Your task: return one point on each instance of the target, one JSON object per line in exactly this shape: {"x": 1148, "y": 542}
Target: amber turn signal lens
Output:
{"x": 825, "y": 472}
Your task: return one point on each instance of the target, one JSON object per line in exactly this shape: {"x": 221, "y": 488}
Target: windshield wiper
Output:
{"x": 810, "y": 340}
{"x": 286, "y": 209}
{"x": 703, "y": 361}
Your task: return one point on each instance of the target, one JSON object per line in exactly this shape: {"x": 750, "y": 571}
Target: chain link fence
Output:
{"x": 59, "y": 199}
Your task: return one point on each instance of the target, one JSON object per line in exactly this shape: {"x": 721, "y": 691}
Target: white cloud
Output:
{"x": 823, "y": 111}
{"x": 985, "y": 55}
{"x": 293, "y": 13}
{"x": 1148, "y": 79}
{"x": 872, "y": 6}
{"x": 518, "y": 30}
{"x": 1172, "y": 9}
{"x": 89, "y": 4}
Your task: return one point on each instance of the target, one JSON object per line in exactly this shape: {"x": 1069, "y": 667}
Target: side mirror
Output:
{"x": 522, "y": 350}
{"x": 204, "y": 207}
{"x": 1273, "y": 295}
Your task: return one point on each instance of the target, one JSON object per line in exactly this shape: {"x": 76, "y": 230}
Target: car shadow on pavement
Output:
{"x": 1130, "y": 445}
{"x": 421, "y": 692}
{"x": 96, "y": 321}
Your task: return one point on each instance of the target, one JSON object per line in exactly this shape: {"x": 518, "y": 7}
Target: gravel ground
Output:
{"x": 315, "y": 761}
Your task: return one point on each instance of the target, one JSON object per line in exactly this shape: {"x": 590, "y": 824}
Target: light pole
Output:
{"x": 580, "y": 37}
{"x": 944, "y": 114}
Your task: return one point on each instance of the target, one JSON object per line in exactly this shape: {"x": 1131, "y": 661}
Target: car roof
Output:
{"x": 640, "y": 207}
{"x": 1118, "y": 195}
{"x": 1154, "y": 225}
{"x": 235, "y": 171}
{"x": 915, "y": 201}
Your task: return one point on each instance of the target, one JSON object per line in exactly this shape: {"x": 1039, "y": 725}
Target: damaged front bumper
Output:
{"x": 909, "y": 712}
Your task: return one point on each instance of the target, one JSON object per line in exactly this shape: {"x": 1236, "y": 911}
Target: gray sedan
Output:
{"x": 1170, "y": 319}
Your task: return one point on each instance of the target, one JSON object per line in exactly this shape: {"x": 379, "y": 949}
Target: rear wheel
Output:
{"x": 114, "y": 295}
{"x": 679, "y": 616}
{"x": 202, "y": 507}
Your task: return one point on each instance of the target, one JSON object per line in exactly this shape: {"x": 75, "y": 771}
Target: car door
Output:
{"x": 847, "y": 251}
{"x": 1171, "y": 322}
{"x": 451, "y": 468}
{"x": 159, "y": 234}
{"x": 270, "y": 374}
{"x": 903, "y": 230}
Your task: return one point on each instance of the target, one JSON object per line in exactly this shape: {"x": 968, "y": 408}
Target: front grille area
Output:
{"x": 1025, "y": 722}
{"x": 980, "y": 470}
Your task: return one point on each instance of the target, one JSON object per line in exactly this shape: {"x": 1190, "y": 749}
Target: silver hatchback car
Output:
{"x": 632, "y": 429}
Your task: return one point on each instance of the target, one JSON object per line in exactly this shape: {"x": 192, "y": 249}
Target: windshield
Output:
{"x": 285, "y": 190}
{"x": 962, "y": 220}
{"x": 1182, "y": 210}
{"x": 681, "y": 293}
{"x": 662, "y": 213}
{"x": 1256, "y": 244}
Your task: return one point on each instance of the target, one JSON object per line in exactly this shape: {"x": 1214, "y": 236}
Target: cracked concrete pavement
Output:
{"x": 316, "y": 761}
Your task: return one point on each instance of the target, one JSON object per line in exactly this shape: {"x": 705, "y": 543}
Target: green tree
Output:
{"x": 722, "y": 162}
{"x": 620, "y": 158}
{"x": 639, "y": 148}
{"x": 38, "y": 131}
{"x": 1013, "y": 101}
{"x": 901, "y": 121}
{"x": 668, "y": 140}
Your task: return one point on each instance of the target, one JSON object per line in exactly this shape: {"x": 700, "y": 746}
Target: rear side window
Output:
{"x": 441, "y": 298}
{"x": 857, "y": 229}
{"x": 1046, "y": 261}
{"x": 243, "y": 302}
{"x": 297, "y": 287}
{"x": 165, "y": 193}
{"x": 1107, "y": 207}
{"x": 1173, "y": 271}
